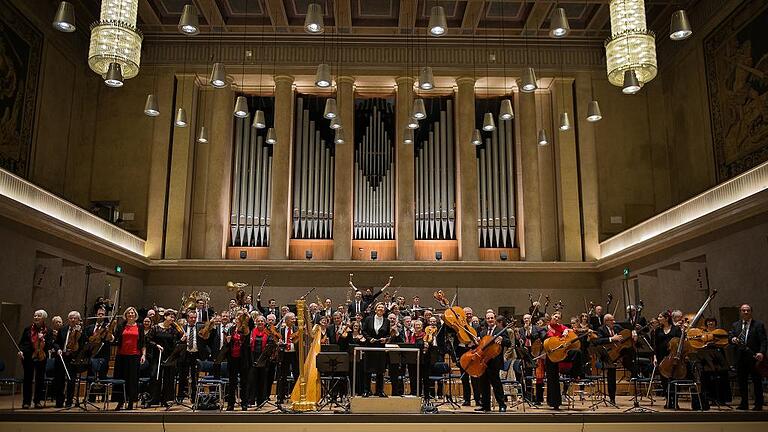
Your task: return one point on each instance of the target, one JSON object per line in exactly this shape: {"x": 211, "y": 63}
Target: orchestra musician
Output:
{"x": 129, "y": 339}
{"x": 204, "y": 313}
{"x": 238, "y": 360}
{"x": 491, "y": 379}
{"x": 596, "y": 318}
{"x": 528, "y": 334}
{"x": 749, "y": 336}
{"x": 197, "y": 349}
{"x": 634, "y": 319}
{"x": 102, "y": 351}
{"x": 666, "y": 331}
{"x": 165, "y": 336}
{"x": 396, "y": 336}
{"x": 714, "y": 368}
{"x": 69, "y": 342}
{"x": 358, "y": 306}
{"x": 259, "y": 382}
{"x": 557, "y": 329}
{"x": 289, "y": 357}
{"x": 469, "y": 385}
{"x": 271, "y": 307}
{"x": 609, "y": 333}
{"x": 376, "y": 330}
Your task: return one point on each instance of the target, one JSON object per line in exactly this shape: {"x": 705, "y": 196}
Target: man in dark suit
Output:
{"x": 528, "y": 334}
{"x": 491, "y": 376}
{"x": 289, "y": 358}
{"x": 271, "y": 308}
{"x": 376, "y": 330}
{"x": 749, "y": 337}
{"x": 607, "y": 334}
{"x": 102, "y": 351}
{"x": 596, "y": 320}
{"x": 197, "y": 348}
{"x": 357, "y": 306}
{"x": 203, "y": 313}
{"x": 68, "y": 343}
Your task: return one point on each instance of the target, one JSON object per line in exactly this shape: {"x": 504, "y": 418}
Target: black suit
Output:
{"x": 356, "y": 307}
{"x": 34, "y": 368}
{"x": 527, "y": 338}
{"x": 188, "y": 369}
{"x": 375, "y": 361}
{"x": 100, "y": 352}
{"x": 756, "y": 342}
{"x": 60, "y": 343}
{"x": 266, "y": 310}
{"x": 491, "y": 376}
{"x": 604, "y": 335}
{"x": 204, "y": 314}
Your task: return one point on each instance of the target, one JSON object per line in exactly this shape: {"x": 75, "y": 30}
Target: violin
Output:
{"x": 39, "y": 352}
{"x": 701, "y": 338}
{"x": 73, "y": 343}
{"x": 455, "y": 317}
{"x": 243, "y": 324}
{"x": 429, "y": 334}
{"x": 475, "y": 361}
{"x": 205, "y": 332}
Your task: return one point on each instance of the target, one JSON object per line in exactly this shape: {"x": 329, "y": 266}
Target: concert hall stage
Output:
{"x": 542, "y": 419}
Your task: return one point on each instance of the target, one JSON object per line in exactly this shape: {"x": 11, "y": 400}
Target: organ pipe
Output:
{"x": 312, "y": 210}
{"x": 251, "y": 187}
{"x": 374, "y": 192}
{"x": 496, "y": 197}
{"x": 435, "y": 173}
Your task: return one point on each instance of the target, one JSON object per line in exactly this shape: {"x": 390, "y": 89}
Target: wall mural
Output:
{"x": 736, "y": 57}
{"x": 20, "y": 54}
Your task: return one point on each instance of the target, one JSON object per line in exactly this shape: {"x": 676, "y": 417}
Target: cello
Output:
{"x": 455, "y": 317}
{"x": 475, "y": 361}
{"x": 673, "y": 366}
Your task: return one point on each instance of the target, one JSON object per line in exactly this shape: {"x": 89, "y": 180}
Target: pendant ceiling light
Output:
{"x": 64, "y": 20}
{"x": 506, "y": 112}
{"x": 115, "y": 39}
{"x": 528, "y": 80}
{"x": 241, "y": 107}
{"x": 335, "y": 123}
{"x": 438, "y": 25}
{"x": 593, "y": 112}
{"x": 258, "y": 120}
{"x": 323, "y": 76}
{"x": 408, "y": 136}
{"x": 558, "y": 27}
{"x": 680, "y": 27}
{"x": 565, "y": 122}
{"x": 189, "y": 23}
{"x": 631, "y": 45}
{"x": 542, "y": 137}
{"x": 426, "y": 79}
{"x": 419, "y": 112}
{"x": 339, "y": 137}
{"x": 476, "y": 140}
{"x": 218, "y": 75}
{"x": 630, "y": 84}
{"x": 413, "y": 123}
{"x": 488, "y": 123}
{"x": 181, "y": 118}
{"x": 114, "y": 77}
{"x": 330, "y": 108}
{"x": 313, "y": 23}
{"x": 203, "y": 136}
{"x": 150, "y": 106}
{"x": 271, "y": 138}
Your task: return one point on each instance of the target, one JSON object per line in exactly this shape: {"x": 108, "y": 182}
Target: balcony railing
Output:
{"x": 24, "y": 192}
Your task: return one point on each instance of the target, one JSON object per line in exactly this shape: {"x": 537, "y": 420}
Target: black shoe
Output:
{"x": 38, "y": 405}
{"x": 467, "y": 403}
{"x": 366, "y": 394}
{"x": 130, "y": 406}
{"x": 68, "y": 404}
{"x": 742, "y": 407}
{"x": 556, "y": 407}
{"x": 245, "y": 407}
{"x": 119, "y": 406}
{"x": 59, "y": 405}
{"x": 165, "y": 405}
{"x": 757, "y": 408}
{"x": 482, "y": 409}
{"x": 25, "y": 406}
{"x": 502, "y": 408}
{"x": 230, "y": 408}
{"x": 381, "y": 394}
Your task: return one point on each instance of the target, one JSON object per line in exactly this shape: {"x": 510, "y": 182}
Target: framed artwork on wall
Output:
{"x": 21, "y": 47}
{"x": 736, "y": 58}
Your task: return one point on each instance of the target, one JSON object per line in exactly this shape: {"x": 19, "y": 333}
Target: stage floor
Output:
{"x": 577, "y": 418}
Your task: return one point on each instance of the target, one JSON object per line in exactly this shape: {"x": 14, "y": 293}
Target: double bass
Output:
{"x": 673, "y": 365}
{"x": 475, "y": 361}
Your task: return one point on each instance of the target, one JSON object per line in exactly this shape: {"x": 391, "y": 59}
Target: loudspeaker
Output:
{"x": 438, "y": 255}
{"x": 243, "y": 254}
{"x": 308, "y": 254}
{"x": 503, "y": 255}
{"x": 374, "y": 255}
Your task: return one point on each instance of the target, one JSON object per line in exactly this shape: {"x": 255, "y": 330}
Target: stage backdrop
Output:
{"x": 20, "y": 53}
{"x": 736, "y": 56}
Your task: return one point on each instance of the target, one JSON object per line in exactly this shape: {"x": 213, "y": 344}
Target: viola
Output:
{"x": 39, "y": 353}
{"x": 455, "y": 317}
{"x": 429, "y": 334}
{"x": 475, "y": 361}
{"x": 73, "y": 343}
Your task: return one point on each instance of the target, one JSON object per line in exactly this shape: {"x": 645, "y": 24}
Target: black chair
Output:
{"x": 10, "y": 381}
{"x": 440, "y": 375}
{"x": 208, "y": 382}
{"x": 99, "y": 366}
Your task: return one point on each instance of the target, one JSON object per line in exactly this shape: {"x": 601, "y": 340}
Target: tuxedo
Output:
{"x": 204, "y": 314}
{"x": 197, "y": 349}
{"x": 490, "y": 379}
{"x": 63, "y": 338}
{"x": 375, "y": 361}
{"x": 604, "y": 335}
{"x": 752, "y": 340}
{"x": 357, "y": 307}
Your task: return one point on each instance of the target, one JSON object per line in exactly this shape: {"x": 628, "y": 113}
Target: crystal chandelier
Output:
{"x": 631, "y": 45}
{"x": 115, "y": 39}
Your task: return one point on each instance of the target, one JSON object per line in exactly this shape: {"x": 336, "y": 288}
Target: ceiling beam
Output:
{"x": 211, "y": 13}
{"x": 148, "y": 14}
{"x": 407, "y": 19}
{"x": 536, "y": 17}
{"x": 600, "y": 18}
{"x": 472, "y": 15}
{"x": 343, "y": 15}
{"x": 276, "y": 11}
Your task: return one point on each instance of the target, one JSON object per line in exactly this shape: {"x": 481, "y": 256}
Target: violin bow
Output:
{"x": 8, "y": 332}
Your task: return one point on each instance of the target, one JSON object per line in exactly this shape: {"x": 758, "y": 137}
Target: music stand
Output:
{"x": 333, "y": 367}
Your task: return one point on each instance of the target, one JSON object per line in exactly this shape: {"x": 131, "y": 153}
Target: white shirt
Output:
{"x": 745, "y": 327}
{"x": 192, "y": 336}
{"x": 378, "y": 322}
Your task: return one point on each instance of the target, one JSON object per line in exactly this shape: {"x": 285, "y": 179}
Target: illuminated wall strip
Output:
{"x": 722, "y": 195}
{"x": 32, "y": 196}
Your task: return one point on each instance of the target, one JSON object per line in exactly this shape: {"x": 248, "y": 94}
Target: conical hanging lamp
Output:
{"x": 413, "y": 123}
{"x": 438, "y": 24}
{"x": 335, "y": 123}
{"x": 680, "y": 27}
{"x": 189, "y": 23}
{"x": 408, "y": 136}
{"x": 241, "y": 107}
{"x": 542, "y": 137}
{"x": 181, "y": 118}
{"x": 505, "y": 111}
{"x": 114, "y": 77}
{"x": 330, "y": 108}
{"x": 528, "y": 80}
{"x": 565, "y": 122}
{"x": 203, "y": 136}
{"x": 593, "y": 112}
{"x": 559, "y": 27}
{"x": 426, "y": 78}
{"x": 313, "y": 23}
{"x": 339, "y": 137}
{"x": 488, "y": 123}
{"x": 323, "y": 75}
{"x": 150, "y": 106}
{"x": 218, "y": 75}
{"x": 631, "y": 84}
{"x": 271, "y": 138}
{"x": 419, "y": 112}
{"x": 64, "y": 20}
{"x": 476, "y": 139}
{"x": 258, "y": 120}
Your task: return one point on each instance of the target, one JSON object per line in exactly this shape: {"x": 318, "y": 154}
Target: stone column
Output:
{"x": 547, "y": 188}
{"x": 179, "y": 185}
{"x": 343, "y": 186}
{"x": 158, "y": 165}
{"x": 282, "y": 158}
{"x": 567, "y": 173}
{"x": 404, "y": 199}
{"x": 219, "y": 170}
{"x": 466, "y": 171}
{"x": 588, "y": 168}
{"x": 529, "y": 154}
